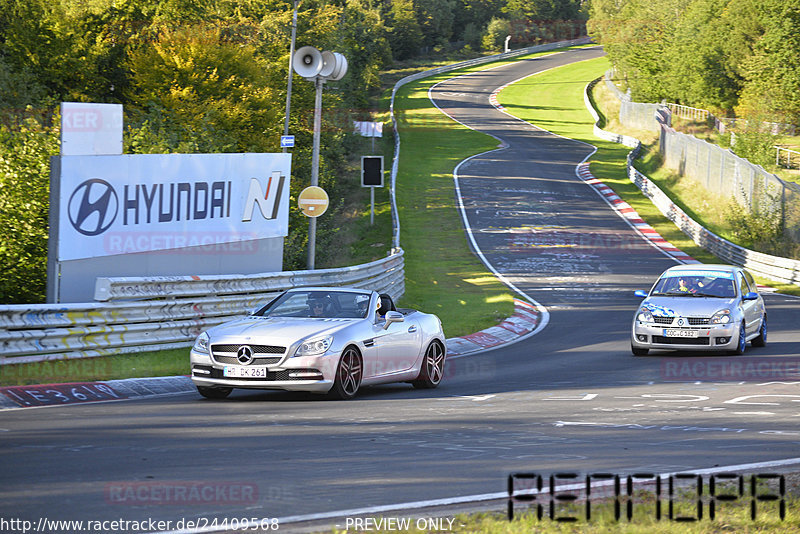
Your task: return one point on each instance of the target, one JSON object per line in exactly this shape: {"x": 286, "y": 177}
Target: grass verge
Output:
{"x": 171, "y": 362}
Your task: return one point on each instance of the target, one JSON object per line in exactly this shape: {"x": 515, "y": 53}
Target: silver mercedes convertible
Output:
{"x": 321, "y": 340}
{"x": 700, "y": 307}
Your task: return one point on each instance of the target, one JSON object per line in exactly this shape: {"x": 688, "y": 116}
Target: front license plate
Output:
{"x": 244, "y": 372}
{"x": 677, "y": 332}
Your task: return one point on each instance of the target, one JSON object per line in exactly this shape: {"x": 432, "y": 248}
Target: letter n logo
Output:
{"x": 257, "y": 197}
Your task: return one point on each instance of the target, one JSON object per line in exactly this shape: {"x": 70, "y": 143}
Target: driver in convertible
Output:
{"x": 318, "y": 307}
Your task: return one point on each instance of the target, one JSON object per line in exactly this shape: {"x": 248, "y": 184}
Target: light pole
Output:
{"x": 289, "y": 82}
{"x": 317, "y": 67}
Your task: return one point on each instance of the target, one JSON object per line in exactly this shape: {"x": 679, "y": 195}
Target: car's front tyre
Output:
{"x": 432, "y": 370}
{"x": 214, "y": 393}
{"x": 639, "y": 351}
{"x": 761, "y": 339}
{"x": 349, "y": 373}
{"x": 741, "y": 344}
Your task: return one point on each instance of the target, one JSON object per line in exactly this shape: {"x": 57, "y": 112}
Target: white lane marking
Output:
{"x": 475, "y": 398}
{"x": 739, "y": 400}
{"x": 586, "y": 397}
{"x": 664, "y": 396}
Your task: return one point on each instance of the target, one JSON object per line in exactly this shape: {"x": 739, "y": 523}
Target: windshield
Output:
{"x": 719, "y": 284}
{"x": 318, "y": 304}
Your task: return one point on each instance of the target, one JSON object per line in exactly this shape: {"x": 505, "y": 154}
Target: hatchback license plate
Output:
{"x": 244, "y": 372}
{"x": 676, "y": 332}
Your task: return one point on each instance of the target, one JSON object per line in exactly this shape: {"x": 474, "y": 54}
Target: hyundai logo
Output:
{"x": 244, "y": 355}
{"x": 93, "y": 207}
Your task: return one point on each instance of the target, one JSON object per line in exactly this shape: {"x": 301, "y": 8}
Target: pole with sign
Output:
{"x": 313, "y": 201}
{"x": 372, "y": 177}
{"x": 317, "y": 67}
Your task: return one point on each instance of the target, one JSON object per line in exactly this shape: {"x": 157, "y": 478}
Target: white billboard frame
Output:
{"x": 148, "y": 202}
{"x": 164, "y": 214}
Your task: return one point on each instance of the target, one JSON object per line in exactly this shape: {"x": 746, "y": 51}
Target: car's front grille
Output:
{"x": 256, "y": 361}
{"x": 257, "y": 349}
{"x": 681, "y": 340}
{"x": 226, "y": 354}
{"x": 693, "y": 321}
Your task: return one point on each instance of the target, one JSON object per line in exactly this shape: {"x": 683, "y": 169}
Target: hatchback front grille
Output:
{"x": 681, "y": 340}
{"x": 662, "y": 320}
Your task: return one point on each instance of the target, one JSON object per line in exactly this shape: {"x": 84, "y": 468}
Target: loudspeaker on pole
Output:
{"x": 307, "y": 62}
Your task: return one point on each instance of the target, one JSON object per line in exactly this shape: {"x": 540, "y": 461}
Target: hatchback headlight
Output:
{"x": 201, "y": 343}
{"x": 645, "y": 315}
{"x": 314, "y": 347}
{"x": 721, "y": 317}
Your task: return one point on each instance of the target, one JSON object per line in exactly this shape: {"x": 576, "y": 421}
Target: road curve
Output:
{"x": 570, "y": 398}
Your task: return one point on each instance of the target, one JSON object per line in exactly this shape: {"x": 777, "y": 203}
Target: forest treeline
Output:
{"x": 737, "y": 58}
{"x": 209, "y": 76}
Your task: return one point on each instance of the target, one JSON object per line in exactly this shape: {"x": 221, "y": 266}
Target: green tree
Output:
{"x": 496, "y": 33}
{"x": 362, "y": 38}
{"x": 24, "y": 208}
{"x": 473, "y": 14}
{"x": 695, "y": 70}
{"x": 210, "y": 90}
{"x": 435, "y": 18}
{"x": 772, "y": 73}
{"x": 543, "y": 10}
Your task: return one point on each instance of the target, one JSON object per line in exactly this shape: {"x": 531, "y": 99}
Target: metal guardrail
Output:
{"x": 688, "y": 112}
{"x": 792, "y": 158}
{"x": 784, "y": 270}
{"x": 154, "y": 313}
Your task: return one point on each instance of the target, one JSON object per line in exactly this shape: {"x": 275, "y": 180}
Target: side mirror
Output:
{"x": 393, "y": 317}
{"x": 640, "y": 293}
{"x": 750, "y": 296}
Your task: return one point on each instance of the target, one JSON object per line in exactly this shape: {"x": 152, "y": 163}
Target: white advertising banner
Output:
{"x": 148, "y": 202}
{"x": 90, "y": 129}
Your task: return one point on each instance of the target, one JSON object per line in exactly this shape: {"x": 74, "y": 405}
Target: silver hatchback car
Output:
{"x": 700, "y": 308}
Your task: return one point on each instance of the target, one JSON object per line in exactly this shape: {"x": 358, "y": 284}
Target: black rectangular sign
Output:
{"x": 371, "y": 171}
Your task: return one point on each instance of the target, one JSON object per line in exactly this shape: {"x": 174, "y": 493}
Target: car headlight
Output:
{"x": 315, "y": 346}
{"x": 201, "y": 343}
{"x": 645, "y": 315}
{"x": 721, "y": 317}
